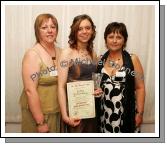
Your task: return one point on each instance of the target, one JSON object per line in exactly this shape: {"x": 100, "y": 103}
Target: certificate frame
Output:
{"x": 81, "y": 101}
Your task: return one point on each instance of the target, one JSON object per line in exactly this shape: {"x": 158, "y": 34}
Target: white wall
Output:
{"x": 19, "y": 36}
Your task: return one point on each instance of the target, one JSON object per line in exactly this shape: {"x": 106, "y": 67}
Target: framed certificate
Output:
{"x": 81, "y": 101}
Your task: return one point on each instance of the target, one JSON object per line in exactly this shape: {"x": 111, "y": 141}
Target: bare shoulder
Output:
{"x": 136, "y": 62}
{"x": 94, "y": 55}
{"x": 66, "y": 53}
{"x": 135, "y": 58}
{"x": 94, "y": 52}
{"x": 31, "y": 55}
{"x": 59, "y": 50}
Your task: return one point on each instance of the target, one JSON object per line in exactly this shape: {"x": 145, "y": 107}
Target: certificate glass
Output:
{"x": 81, "y": 103}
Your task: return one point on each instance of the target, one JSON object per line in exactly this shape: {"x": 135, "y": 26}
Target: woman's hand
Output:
{"x": 73, "y": 121}
{"x": 138, "y": 119}
{"x": 98, "y": 92}
{"x": 43, "y": 128}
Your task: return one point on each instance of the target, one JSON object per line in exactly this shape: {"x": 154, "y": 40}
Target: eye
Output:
{"x": 119, "y": 37}
{"x": 88, "y": 27}
{"x": 53, "y": 27}
{"x": 80, "y": 28}
{"x": 111, "y": 37}
{"x": 44, "y": 27}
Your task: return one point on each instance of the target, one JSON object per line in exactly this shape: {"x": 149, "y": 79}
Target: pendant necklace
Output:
{"x": 52, "y": 57}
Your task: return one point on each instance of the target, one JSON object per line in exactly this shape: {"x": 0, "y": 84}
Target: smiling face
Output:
{"x": 115, "y": 36}
{"x": 85, "y": 31}
{"x": 48, "y": 31}
{"x": 82, "y": 33}
{"x": 46, "y": 28}
{"x": 115, "y": 41}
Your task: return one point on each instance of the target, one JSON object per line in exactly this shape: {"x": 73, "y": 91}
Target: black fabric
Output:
{"x": 129, "y": 93}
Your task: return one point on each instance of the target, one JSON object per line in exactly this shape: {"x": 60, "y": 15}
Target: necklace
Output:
{"x": 116, "y": 61}
{"x": 112, "y": 61}
{"x": 83, "y": 53}
{"x": 52, "y": 57}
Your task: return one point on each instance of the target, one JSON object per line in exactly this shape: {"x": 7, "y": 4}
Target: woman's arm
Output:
{"x": 63, "y": 67}
{"x": 139, "y": 89}
{"x": 97, "y": 92}
{"x": 30, "y": 68}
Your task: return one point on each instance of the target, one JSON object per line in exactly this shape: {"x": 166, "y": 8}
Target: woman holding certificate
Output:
{"x": 122, "y": 104}
{"x": 39, "y": 102}
{"x": 77, "y": 64}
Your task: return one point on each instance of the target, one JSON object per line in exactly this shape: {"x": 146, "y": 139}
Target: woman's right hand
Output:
{"x": 43, "y": 128}
{"x": 73, "y": 121}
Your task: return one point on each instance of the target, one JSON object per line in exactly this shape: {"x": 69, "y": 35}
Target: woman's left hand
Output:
{"x": 138, "y": 119}
{"x": 98, "y": 92}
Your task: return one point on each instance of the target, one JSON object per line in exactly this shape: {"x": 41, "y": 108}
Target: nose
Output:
{"x": 115, "y": 39}
{"x": 84, "y": 31}
{"x": 49, "y": 29}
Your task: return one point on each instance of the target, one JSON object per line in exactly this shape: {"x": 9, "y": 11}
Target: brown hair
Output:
{"x": 116, "y": 27}
{"x": 74, "y": 29}
{"x": 38, "y": 22}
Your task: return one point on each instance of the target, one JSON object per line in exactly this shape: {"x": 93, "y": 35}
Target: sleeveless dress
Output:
{"x": 116, "y": 108}
{"x": 85, "y": 73}
{"x": 111, "y": 104}
{"x": 47, "y": 90}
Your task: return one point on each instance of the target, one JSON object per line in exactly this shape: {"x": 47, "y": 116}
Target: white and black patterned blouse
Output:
{"x": 116, "y": 109}
{"x": 111, "y": 104}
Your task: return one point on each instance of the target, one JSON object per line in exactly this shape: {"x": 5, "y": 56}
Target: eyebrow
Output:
{"x": 85, "y": 26}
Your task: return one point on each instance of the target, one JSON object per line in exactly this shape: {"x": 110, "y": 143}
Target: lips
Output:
{"x": 114, "y": 45}
{"x": 84, "y": 37}
{"x": 49, "y": 35}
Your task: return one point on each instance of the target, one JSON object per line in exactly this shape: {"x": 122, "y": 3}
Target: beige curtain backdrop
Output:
{"x": 19, "y": 36}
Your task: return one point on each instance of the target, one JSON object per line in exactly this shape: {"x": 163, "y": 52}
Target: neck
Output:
{"x": 81, "y": 46}
{"x": 48, "y": 46}
{"x": 115, "y": 54}
{"x": 50, "y": 49}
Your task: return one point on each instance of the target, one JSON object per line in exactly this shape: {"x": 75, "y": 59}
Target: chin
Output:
{"x": 115, "y": 49}
{"x": 84, "y": 41}
{"x": 50, "y": 41}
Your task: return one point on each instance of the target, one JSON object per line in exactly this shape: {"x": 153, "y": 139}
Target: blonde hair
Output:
{"x": 38, "y": 22}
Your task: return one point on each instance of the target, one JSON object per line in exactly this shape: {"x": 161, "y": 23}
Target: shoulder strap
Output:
{"x": 37, "y": 54}
{"x": 127, "y": 60}
{"x": 101, "y": 62}
{"x": 129, "y": 95}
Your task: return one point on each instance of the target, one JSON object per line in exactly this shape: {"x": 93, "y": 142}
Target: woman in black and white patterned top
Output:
{"x": 121, "y": 106}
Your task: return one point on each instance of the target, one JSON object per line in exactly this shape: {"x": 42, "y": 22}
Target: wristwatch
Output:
{"x": 41, "y": 123}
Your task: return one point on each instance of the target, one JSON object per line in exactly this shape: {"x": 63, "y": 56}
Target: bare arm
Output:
{"x": 63, "y": 67}
{"x": 139, "y": 89}
{"x": 30, "y": 68}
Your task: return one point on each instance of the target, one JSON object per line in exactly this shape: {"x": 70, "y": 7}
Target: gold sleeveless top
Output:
{"x": 47, "y": 89}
